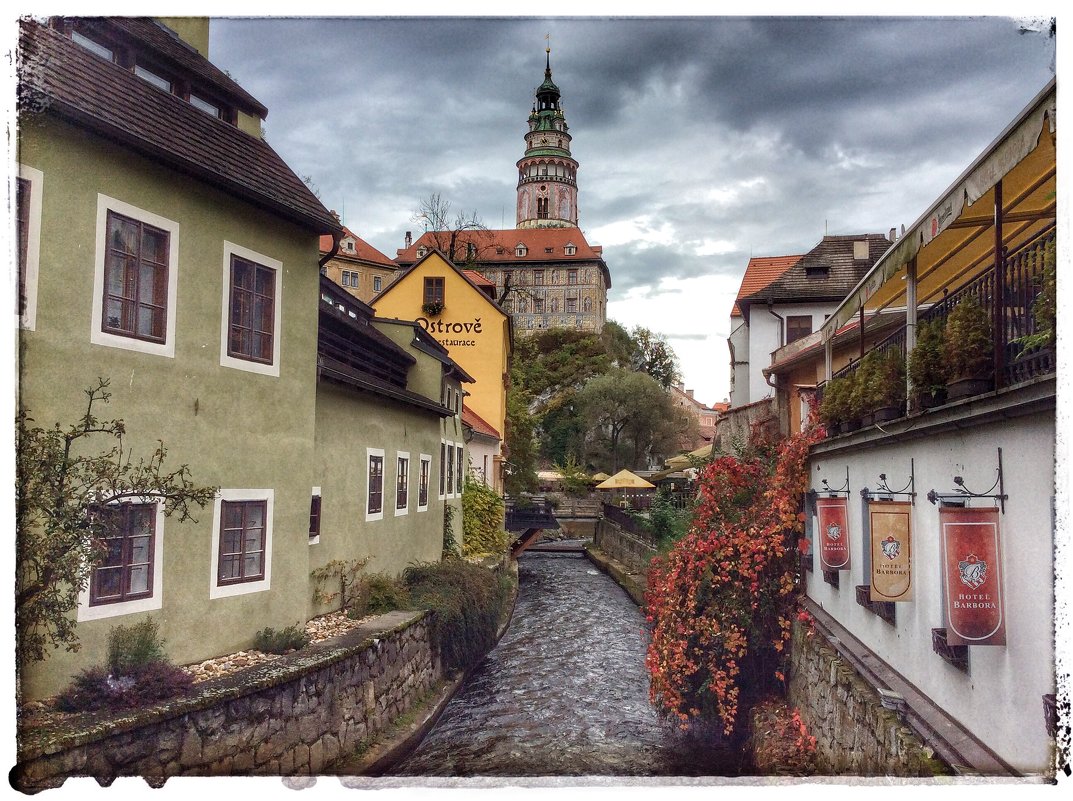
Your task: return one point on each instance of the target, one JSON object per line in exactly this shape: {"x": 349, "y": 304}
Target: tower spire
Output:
{"x": 547, "y": 173}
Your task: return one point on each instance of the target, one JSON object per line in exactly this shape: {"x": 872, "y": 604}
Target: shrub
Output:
{"x": 835, "y": 401}
{"x": 926, "y": 369}
{"x": 131, "y": 647}
{"x": 665, "y": 522}
{"x": 95, "y": 688}
{"x": 271, "y": 641}
{"x": 467, "y": 602}
{"x": 482, "y": 520}
{"x": 377, "y": 594}
{"x": 723, "y": 599}
{"x": 967, "y": 350}
{"x": 782, "y": 744}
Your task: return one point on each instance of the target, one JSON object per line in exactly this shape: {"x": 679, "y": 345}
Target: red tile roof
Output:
{"x": 762, "y": 270}
{"x": 363, "y": 251}
{"x": 478, "y": 423}
{"x": 490, "y": 242}
{"x": 477, "y": 278}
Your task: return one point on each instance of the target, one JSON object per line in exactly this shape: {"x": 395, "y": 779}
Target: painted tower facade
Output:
{"x": 547, "y": 173}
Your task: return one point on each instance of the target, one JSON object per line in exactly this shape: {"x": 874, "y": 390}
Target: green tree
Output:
{"x": 653, "y": 355}
{"x": 625, "y": 412}
{"x": 62, "y": 483}
{"x": 521, "y": 443}
{"x": 618, "y": 344}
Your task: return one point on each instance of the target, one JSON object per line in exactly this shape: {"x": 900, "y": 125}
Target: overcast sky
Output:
{"x": 701, "y": 141}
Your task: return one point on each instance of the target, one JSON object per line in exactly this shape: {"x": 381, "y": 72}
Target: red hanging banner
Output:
{"x": 972, "y": 576}
{"x": 833, "y": 533}
{"x": 892, "y": 576}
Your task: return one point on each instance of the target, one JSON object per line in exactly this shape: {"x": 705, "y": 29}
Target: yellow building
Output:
{"x": 459, "y": 310}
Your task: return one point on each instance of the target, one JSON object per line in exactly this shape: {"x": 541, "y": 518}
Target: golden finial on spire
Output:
{"x": 547, "y": 49}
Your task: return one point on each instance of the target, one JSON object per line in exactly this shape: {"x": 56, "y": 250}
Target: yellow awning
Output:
{"x": 954, "y": 240}
{"x": 624, "y": 479}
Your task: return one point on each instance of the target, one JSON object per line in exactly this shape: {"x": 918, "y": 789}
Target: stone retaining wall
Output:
{"x": 291, "y": 716}
{"x": 855, "y": 734}
{"x": 622, "y": 546}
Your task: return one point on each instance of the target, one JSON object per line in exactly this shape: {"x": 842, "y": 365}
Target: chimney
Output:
{"x": 893, "y": 233}
{"x": 689, "y": 392}
{"x": 336, "y": 215}
{"x": 409, "y": 239}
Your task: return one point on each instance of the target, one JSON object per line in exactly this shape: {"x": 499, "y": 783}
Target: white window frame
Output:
{"x": 449, "y": 470}
{"x": 28, "y": 318}
{"x": 166, "y": 348}
{"x": 244, "y": 587}
{"x": 320, "y": 521}
{"x": 149, "y": 603}
{"x": 231, "y": 249}
{"x": 406, "y": 509}
{"x": 442, "y": 477}
{"x": 424, "y": 459}
{"x": 372, "y": 516}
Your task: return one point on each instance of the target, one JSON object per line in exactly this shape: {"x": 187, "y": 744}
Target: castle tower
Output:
{"x": 547, "y": 174}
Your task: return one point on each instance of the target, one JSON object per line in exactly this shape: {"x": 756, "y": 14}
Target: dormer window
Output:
{"x": 421, "y": 251}
{"x": 205, "y": 105}
{"x": 471, "y": 251}
{"x": 549, "y": 250}
{"x": 93, "y": 46}
{"x": 150, "y": 76}
{"x": 520, "y": 250}
{"x": 817, "y": 270}
{"x": 570, "y": 250}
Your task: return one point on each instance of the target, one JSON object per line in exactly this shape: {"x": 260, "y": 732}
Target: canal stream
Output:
{"x": 564, "y": 693}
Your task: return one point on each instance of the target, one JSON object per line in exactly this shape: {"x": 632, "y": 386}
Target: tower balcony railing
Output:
{"x": 533, "y": 179}
{"x": 1020, "y": 279}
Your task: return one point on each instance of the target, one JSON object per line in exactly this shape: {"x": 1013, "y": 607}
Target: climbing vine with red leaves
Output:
{"x": 722, "y": 601}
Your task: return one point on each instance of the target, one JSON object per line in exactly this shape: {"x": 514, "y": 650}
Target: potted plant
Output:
{"x": 927, "y": 371}
{"x": 1044, "y": 309}
{"x": 865, "y": 398}
{"x": 887, "y": 393}
{"x": 854, "y": 407}
{"x": 433, "y": 308}
{"x": 833, "y": 405}
{"x": 968, "y": 350}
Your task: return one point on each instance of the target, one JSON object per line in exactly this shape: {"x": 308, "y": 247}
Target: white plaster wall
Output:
{"x": 764, "y": 331}
{"x": 739, "y": 351}
{"x": 482, "y": 453}
{"x": 1000, "y": 698}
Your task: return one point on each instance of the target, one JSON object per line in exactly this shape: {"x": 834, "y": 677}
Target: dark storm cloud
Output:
{"x": 701, "y": 141}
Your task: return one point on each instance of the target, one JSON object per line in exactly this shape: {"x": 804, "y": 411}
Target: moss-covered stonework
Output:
{"x": 292, "y": 716}
{"x": 855, "y": 735}
{"x": 632, "y": 552}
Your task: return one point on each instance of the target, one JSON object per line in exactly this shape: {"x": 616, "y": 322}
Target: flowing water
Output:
{"x": 564, "y": 693}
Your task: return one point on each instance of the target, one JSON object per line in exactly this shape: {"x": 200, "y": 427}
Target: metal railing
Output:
{"x": 1021, "y": 279}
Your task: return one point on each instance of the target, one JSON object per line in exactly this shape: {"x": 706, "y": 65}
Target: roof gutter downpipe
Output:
{"x": 337, "y": 237}
{"x": 782, "y": 334}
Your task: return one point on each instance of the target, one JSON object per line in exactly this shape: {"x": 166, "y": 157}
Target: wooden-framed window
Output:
{"x": 376, "y": 484}
{"x": 798, "y": 326}
{"x": 252, "y": 311}
{"x": 571, "y": 305}
{"x": 97, "y": 48}
{"x": 23, "y": 193}
{"x": 538, "y": 305}
{"x": 153, "y": 77}
{"x": 422, "y": 485}
{"x": 314, "y": 514}
{"x": 378, "y": 283}
{"x": 443, "y": 469}
{"x": 460, "y": 472}
{"x": 242, "y": 541}
{"x": 350, "y": 279}
{"x": 135, "y": 279}
{"x": 125, "y": 572}
{"x": 538, "y": 278}
{"x": 571, "y": 277}
{"x": 450, "y": 469}
{"x": 433, "y": 290}
{"x": 402, "y": 484}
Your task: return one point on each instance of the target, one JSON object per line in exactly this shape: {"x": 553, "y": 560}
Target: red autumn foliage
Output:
{"x": 722, "y": 601}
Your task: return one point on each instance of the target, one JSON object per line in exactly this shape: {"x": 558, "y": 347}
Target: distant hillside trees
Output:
{"x": 596, "y": 399}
